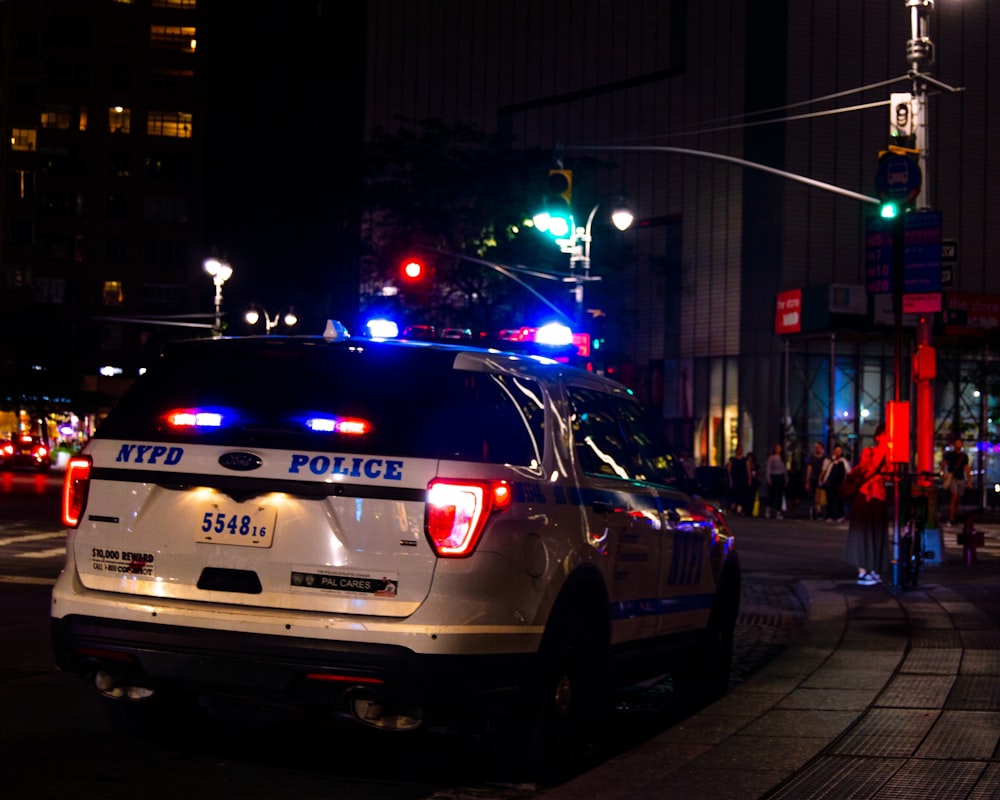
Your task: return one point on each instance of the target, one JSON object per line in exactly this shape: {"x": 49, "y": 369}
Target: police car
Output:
{"x": 406, "y": 533}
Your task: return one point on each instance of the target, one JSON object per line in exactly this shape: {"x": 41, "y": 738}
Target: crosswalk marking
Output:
{"x": 52, "y": 551}
{"x": 32, "y": 537}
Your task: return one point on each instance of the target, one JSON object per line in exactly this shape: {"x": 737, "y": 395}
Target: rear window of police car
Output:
{"x": 259, "y": 393}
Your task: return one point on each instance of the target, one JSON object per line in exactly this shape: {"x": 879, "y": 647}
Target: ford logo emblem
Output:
{"x": 241, "y": 462}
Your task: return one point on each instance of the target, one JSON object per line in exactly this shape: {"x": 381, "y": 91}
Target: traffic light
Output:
{"x": 413, "y": 270}
{"x": 556, "y": 217}
{"x": 561, "y": 185}
{"x": 889, "y": 209}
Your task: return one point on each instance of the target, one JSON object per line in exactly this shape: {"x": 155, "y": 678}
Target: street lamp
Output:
{"x": 220, "y": 272}
{"x": 256, "y": 314}
{"x": 577, "y": 246}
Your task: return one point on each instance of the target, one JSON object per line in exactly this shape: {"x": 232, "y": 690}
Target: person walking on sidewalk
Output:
{"x": 776, "y": 474}
{"x": 815, "y": 467}
{"x": 955, "y": 470}
{"x": 752, "y": 504}
{"x": 739, "y": 482}
{"x": 868, "y": 532}
{"x": 836, "y": 471}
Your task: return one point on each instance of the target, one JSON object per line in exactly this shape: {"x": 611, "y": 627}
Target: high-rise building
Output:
{"x": 142, "y": 137}
{"x": 101, "y": 205}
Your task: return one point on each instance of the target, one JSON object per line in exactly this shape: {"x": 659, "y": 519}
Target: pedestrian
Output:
{"x": 739, "y": 481}
{"x": 752, "y": 504}
{"x": 816, "y": 464}
{"x": 776, "y": 474}
{"x": 955, "y": 472}
{"x": 868, "y": 532}
{"x": 836, "y": 471}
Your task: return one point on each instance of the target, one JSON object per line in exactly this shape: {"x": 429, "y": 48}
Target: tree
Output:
{"x": 454, "y": 191}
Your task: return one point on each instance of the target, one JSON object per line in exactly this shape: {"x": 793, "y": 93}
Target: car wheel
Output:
{"x": 716, "y": 658}
{"x": 569, "y": 699}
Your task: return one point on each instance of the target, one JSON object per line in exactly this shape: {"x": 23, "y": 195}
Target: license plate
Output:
{"x": 251, "y": 526}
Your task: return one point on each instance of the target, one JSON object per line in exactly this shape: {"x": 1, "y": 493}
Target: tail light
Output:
{"x": 76, "y": 484}
{"x": 457, "y": 512}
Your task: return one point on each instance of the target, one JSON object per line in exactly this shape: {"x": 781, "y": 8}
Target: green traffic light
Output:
{"x": 888, "y": 211}
{"x": 557, "y": 225}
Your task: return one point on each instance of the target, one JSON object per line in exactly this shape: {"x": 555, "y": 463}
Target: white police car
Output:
{"x": 409, "y": 533}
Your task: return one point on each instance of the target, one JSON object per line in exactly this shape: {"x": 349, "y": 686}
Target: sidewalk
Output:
{"x": 884, "y": 693}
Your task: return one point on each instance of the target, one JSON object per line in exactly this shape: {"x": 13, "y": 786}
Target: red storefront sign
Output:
{"x": 788, "y": 313}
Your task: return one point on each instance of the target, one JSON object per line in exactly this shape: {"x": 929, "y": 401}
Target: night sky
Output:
{"x": 284, "y": 91}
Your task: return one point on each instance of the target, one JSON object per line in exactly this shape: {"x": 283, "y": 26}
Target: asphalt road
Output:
{"x": 52, "y": 719}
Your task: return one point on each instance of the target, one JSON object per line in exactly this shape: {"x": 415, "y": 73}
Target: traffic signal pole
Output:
{"x": 920, "y": 56}
{"x": 899, "y": 466}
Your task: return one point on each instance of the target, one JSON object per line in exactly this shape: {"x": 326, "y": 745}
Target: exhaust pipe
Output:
{"x": 107, "y": 685}
{"x": 370, "y": 711}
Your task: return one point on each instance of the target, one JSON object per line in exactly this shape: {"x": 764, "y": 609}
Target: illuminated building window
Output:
{"x": 83, "y": 118}
{"x": 169, "y": 123}
{"x": 189, "y": 5}
{"x": 58, "y": 117}
{"x": 113, "y": 293}
{"x": 23, "y": 139}
{"x": 22, "y": 184}
{"x": 173, "y": 37}
{"x": 119, "y": 119}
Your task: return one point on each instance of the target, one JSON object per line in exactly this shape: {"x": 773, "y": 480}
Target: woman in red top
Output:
{"x": 868, "y": 533}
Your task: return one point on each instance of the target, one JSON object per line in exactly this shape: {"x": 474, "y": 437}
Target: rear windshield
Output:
{"x": 375, "y": 399}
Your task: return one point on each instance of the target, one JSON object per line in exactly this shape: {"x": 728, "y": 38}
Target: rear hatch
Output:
{"x": 287, "y": 473}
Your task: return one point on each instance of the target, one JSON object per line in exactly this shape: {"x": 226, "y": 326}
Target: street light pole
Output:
{"x": 220, "y": 272}
{"x": 578, "y": 248}
{"x": 256, "y": 314}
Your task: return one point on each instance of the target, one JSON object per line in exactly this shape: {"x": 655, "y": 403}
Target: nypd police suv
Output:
{"x": 407, "y": 533}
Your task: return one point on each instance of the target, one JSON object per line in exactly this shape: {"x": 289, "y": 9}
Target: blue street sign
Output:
{"x": 898, "y": 178}
{"x": 922, "y": 253}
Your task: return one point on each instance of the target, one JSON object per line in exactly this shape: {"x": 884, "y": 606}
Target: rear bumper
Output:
{"x": 288, "y": 669}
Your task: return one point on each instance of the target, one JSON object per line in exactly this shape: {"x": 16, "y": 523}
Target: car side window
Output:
{"x": 598, "y": 439}
{"x": 656, "y": 460}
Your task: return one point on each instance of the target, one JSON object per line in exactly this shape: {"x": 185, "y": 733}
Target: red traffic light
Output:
{"x": 413, "y": 269}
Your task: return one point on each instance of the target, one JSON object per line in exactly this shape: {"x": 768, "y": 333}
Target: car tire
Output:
{"x": 716, "y": 658}
{"x": 571, "y": 695}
